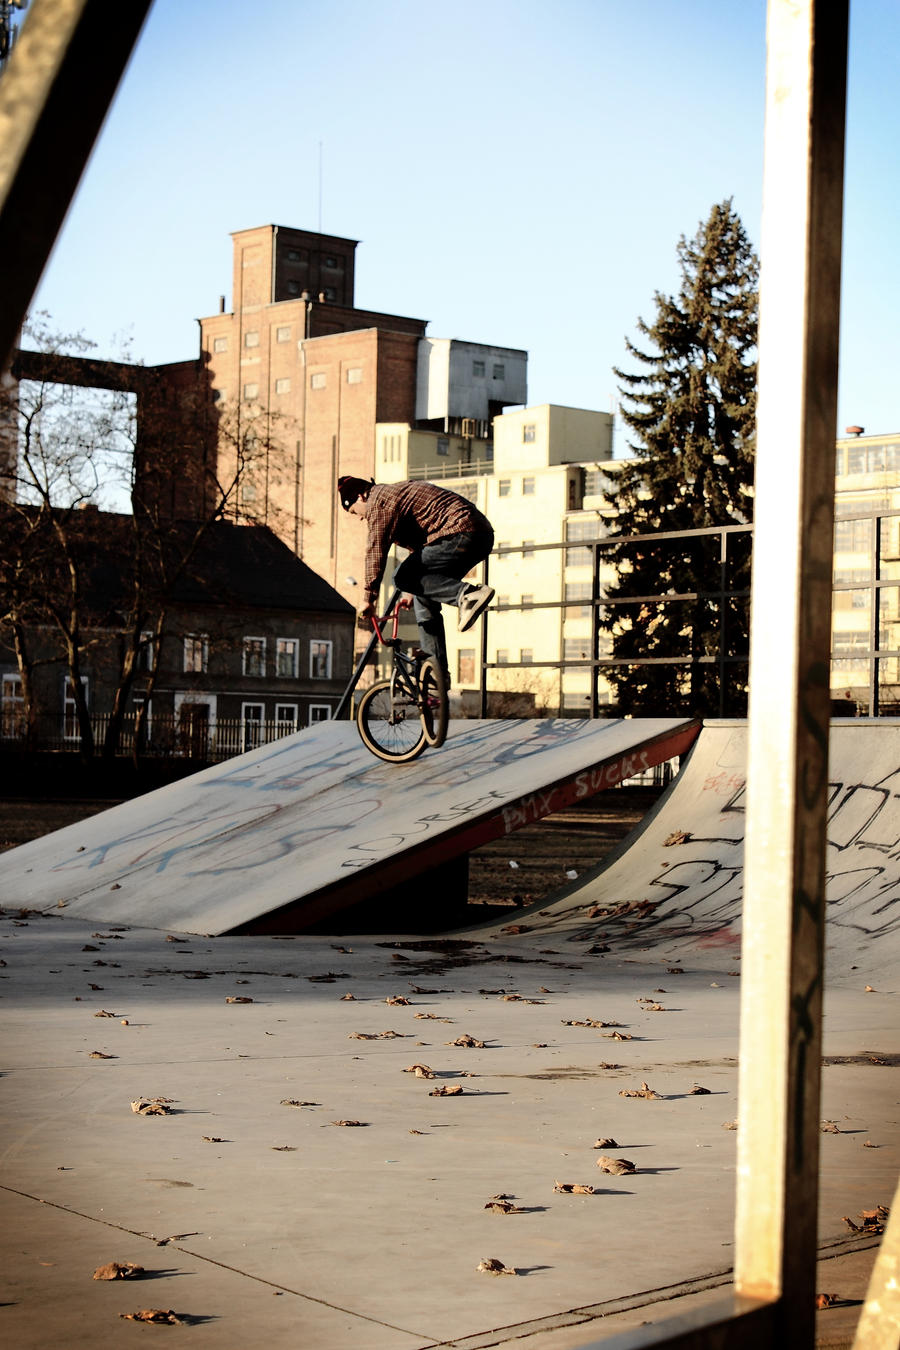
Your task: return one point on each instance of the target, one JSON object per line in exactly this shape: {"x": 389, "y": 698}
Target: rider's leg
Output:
{"x": 435, "y": 576}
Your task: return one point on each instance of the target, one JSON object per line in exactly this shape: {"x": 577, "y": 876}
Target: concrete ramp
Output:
{"x": 288, "y": 834}
{"x": 676, "y": 885}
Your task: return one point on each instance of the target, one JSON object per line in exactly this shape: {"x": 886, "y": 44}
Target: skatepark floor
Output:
{"x": 303, "y": 1185}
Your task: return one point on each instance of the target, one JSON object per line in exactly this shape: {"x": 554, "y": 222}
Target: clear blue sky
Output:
{"x": 518, "y": 172}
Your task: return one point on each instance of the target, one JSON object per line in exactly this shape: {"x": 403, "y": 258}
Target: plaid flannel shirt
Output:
{"x": 413, "y": 515}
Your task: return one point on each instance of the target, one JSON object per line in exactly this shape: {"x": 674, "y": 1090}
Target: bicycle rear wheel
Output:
{"x": 433, "y": 702}
{"x": 390, "y": 727}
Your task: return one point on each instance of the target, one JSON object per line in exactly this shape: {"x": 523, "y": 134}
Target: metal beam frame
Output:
{"x": 54, "y": 95}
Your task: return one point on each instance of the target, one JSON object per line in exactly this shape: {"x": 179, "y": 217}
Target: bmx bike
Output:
{"x": 400, "y": 716}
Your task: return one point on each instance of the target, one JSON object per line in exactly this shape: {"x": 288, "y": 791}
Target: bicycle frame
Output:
{"x": 391, "y": 612}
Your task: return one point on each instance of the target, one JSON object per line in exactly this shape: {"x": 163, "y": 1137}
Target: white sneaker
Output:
{"x": 473, "y": 604}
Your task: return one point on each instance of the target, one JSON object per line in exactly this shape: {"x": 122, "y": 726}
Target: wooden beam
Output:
{"x": 54, "y": 95}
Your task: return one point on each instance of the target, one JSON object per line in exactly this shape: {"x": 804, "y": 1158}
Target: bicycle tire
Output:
{"x": 393, "y": 733}
{"x": 433, "y": 702}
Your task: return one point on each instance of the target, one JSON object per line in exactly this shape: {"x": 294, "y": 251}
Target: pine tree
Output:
{"x": 692, "y": 412}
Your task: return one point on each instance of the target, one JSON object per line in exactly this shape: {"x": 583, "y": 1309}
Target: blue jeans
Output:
{"x": 433, "y": 577}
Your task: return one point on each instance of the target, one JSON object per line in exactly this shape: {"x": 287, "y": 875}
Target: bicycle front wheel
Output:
{"x": 390, "y": 727}
{"x": 433, "y": 702}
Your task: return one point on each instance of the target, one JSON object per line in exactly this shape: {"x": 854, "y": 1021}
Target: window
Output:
{"x": 320, "y": 651}
{"x": 251, "y": 339}
{"x": 580, "y": 527}
{"x": 469, "y": 491}
{"x": 283, "y": 386}
{"x": 196, "y": 653}
{"x": 285, "y": 718}
{"x": 503, "y": 487}
{"x": 502, "y": 656}
{"x": 294, "y": 255}
{"x": 251, "y": 391}
{"x": 527, "y": 599}
{"x": 12, "y": 707}
{"x": 583, "y": 591}
{"x": 319, "y": 712}
{"x": 502, "y": 601}
{"x": 576, "y": 649}
{"x": 283, "y": 334}
{"x": 443, "y": 445}
{"x": 354, "y": 374}
{"x": 248, "y": 492}
{"x": 146, "y": 651}
{"x": 70, "y": 719}
{"x": 499, "y": 371}
{"x": 595, "y": 483}
{"x": 317, "y": 381}
{"x": 331, "y": 262}
{"x": 526, "y": 655}
{"x": 528, "y": 432}
{"x": 252, "y": 725}
{"x": 220, "y": 344}
{"x": 478, "y": 368}
{"x": 465, "y": 665}
{"x": 287, "y": 651}
{"x": 329, "y": 293}
{"x": 254, "y": 656}
{"x": 528, "y": 486}
{"x": 292, "y": 287}
{"x": 527, "y": 548}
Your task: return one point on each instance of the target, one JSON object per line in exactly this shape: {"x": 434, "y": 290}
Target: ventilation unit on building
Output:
{"x": 469, "y": 427}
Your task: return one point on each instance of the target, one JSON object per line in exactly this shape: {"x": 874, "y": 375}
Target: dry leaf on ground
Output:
{"x": 873, "y": 1220}
{"x": 468, "y": 1042}
{"x": 617, "y": 1036}
{"x": 153, "y": 1315}
{"x": 503, "y": 1207}
{"x": 238, "y": 998}
{"x": 827, "y": 1300}
{"x": 351, "y": 1123}
{"x": 697, "y": 1091}
{"x": 103, "y": 1013}
{"x": 616, "y": 1167}
{"x": 491, "y": 1266}
{"x": 99, "y": 1054}
{"x": 677, "y": 837}
{"x": 151, "y": 1106}
{"x": 587, "y": 1022}
{"x": 420, "y": 1070}
{"x": 829, "y": 1127}
{"x": 451, "y": 1090}
{"x": 605, "y": 1143}
{"x": 397, "y": 1001}
{"x": 643, "y": 1091}
{"x": 292, "y": 1101}
{"x": 572, "y": 1188}
{"x": 118, "y": 1270}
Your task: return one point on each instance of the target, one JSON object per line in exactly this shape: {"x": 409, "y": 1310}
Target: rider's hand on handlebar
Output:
{"x": 365, "y": 615}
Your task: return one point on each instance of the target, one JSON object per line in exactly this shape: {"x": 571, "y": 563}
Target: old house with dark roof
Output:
{"x": 248, "y": 645}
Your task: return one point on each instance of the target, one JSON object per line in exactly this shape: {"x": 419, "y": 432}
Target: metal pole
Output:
{"x": 784, "y": 898}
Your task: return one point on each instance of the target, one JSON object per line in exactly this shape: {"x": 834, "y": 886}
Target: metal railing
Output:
{"x": 865, "y": 662}
{"x": 163, "y": 737}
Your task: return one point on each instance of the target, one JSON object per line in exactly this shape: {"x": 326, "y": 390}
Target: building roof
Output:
{"x": 242, "y": 566}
